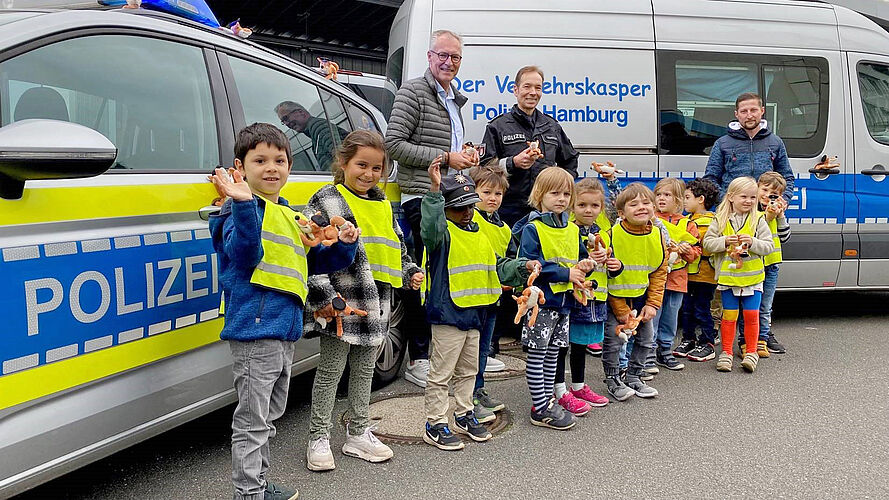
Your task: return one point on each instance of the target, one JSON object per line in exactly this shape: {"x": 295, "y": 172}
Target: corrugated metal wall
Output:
{"x": 309, "y": 57}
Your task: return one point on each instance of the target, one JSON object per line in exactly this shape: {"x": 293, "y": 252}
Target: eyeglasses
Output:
{"x": 443, "y": 56}
{"x": 288, "y": 119}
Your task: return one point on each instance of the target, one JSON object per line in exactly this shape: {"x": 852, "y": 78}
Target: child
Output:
{"x": 490, "y": 184}
{"x": 700, "y": 196}
{"x": 640, "y": 287}
{"x": 465, "y": 276}
{"x": 546, "y": 235}
{"x": 739, "y": 222}
{"x": 263, "y": 267}
{"x": 381, "y": 264}
{"x": 771, "y": 186}
{"x": 587, "y": 322}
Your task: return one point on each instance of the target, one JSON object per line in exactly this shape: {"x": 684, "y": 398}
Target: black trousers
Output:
{"x": 418, "y": 333}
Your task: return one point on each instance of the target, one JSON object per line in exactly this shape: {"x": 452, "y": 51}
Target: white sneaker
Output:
{"x": 318, "y": 455}
{"x": 366, "y": 447}
{"x": 494, "y": 365}
{"x": 417, "y": 371}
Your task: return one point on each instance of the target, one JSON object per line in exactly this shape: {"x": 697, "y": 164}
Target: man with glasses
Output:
{"x": 426, "y": 123}
{"x": 295, "y": 117}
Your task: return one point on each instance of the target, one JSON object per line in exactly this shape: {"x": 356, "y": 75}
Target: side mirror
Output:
{"x": 50, "y": 149}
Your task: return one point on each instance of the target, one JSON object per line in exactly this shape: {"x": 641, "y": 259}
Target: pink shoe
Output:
{"x": 587, "y": 394}
{"x": 594, "y": 349}
{"x": 576, "y": 406}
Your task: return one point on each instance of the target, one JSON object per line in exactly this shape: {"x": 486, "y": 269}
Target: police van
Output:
{"x": 651, "y": 84}
{"x": 111, "y": 121}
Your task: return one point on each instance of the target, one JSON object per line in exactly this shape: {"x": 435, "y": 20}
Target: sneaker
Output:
{"x": 574, "y": 405}
{"x": 482, "y": 398}
{"x": 618, "y": 390}
{"x": 552, "y": 416}
{"x": 642, "y": 389}
{"x": 644, "y": 376}
{"x": 417, "y": 371}
{"x": 366, "y": 446}
{"x": 594, "y": 349}
{"x": 494, "y": 365}
{"x": 749, "y": 362}
{"x": 440, "y": 436}
{"x": 587, "y": 394}
{"x": 724, "y": 364}
{"x": 652, "y": 369}
{"x": 483, "y": 415}
{"x": 278, "y": 492}
{"x": 623, "y": 373}
{"x": 669, "y": 362}
{"x": 684, "y": 348}
{"x": 318, "y": 455}
{"x": 469, "y": 425}
{"x": 703, "y": 352}
{"x": 775, "y": 346}
{"x": 762, "y": 349}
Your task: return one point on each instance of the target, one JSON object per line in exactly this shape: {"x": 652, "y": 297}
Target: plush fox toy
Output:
{"x": 530, "y": 299}
{"x": 628, "y": 329}
{"x": 315, "y": 232}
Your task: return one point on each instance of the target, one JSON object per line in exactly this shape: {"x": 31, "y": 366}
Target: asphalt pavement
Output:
{"x": 811, "y": 424}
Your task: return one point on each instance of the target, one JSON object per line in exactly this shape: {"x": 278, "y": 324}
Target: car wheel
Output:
{"x": 391, "y": 352}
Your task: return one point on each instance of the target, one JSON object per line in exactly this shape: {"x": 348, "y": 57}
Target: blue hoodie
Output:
{"x": 253, "y": 312}
{"x": 737, "y": 155}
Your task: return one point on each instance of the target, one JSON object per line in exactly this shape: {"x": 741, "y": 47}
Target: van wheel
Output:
{"x": 391, "y": 352}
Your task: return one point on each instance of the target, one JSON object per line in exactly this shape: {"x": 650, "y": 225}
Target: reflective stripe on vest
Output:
{"x": 776, "y": 257}
{"x": 601, "y": 277}
{"x": 380, "y": 242}
{"x": 283, "y": 266}
{"x": 703, "y": 223}
{"x": 641, "y": 255}
{"x": 679, "y": 234}
{"x": 560, "y": 245}
{"x": 472, "y": 268}
{"x": 752, "y": 271}
{"x": 497, "y": 235}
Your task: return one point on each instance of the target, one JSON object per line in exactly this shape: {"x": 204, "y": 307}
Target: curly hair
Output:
{"x": 706, "y": 188}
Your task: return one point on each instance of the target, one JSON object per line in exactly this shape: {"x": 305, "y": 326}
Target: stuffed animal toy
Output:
{"x": 473, "y": 151}
{"x": 315, "y": 232}
{"x": 238, "y": 30}
{"x": 607, "y": 168}
{"x": 737, "y": 254}
{"x": 530, "y": 299}
{"x": 133, "y": 4}
{"x": 627, "y": 329}
{"x": 672, "y": 255}
{"x": 328, "y": 68}
{"x": 583, "y": 294}
{"x": 534, "y": 149}
{"x": 828, "y": 164}
{"x": 597, "y": 244}
{"x": 341, "y": 309}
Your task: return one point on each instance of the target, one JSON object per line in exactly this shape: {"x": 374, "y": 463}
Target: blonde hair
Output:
{"x": 550, "y": 179}
{"x": 772, "y": 179}
{"x": 350, "y": 146}
{"x": 589, "y": 185}
{"x": 725, "y": 209}
{"x": 631, "y": 192}
{"x": 674, "y": 186}
{"x": 491, "y": 174}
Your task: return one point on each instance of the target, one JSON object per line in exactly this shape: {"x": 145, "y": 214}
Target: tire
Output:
{"x": 391, "y": 352}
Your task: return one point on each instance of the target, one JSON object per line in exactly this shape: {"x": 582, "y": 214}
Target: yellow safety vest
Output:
{"x": 641, "y": 255}
{"x": 753, "y": 271}
{"x": 472, "y": 268}
{"x": 497, "y": 235}
{"x": 703, "y": 222}
{"x": 381, "y": 244}
{"x": 601, "y": 277}
{"x": 776, "y": 257}
{"x": 679, "y": 233}
{"x": 560, "y": 245}
{"x": 283, "y": 266}
{"x": 601, "y": 221}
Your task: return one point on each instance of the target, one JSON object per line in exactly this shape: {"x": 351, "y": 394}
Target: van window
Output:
{"x": 381, "y": 97}
{"x": 339, "y": 119}
{"x": 291, "y": 104}
{"x": 698, "y": 91}
{"x": 873, "y": 81}
{"x": 150, "y": 97}
{"x": 361, "y": 119}
{"x": 394, "y": 67}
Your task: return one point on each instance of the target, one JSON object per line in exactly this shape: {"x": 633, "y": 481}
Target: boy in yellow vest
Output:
{"x": 771, "y": 186}
{"x": 263, "y": 267}
{"x": 464, "y": 279}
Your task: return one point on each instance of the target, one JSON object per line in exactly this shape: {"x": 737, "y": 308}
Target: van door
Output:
{"x": 869, "y": 83}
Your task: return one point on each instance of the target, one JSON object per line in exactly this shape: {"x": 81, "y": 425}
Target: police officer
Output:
{"x": 507, "y": 138}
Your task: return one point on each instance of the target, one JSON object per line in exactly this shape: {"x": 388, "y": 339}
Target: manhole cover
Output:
{"x": 510, "y": 344}
{"x": 515, "y": 367}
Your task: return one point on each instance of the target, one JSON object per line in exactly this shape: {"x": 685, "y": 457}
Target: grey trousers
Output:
{"x": 261, "y": 371}
{"x": 611, "y": 345}
{"x": 334, "y": 354}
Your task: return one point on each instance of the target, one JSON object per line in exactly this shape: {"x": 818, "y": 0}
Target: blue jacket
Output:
{"x": 736, "y": 155}
{"x": 253, "y": 312}
{"x": 550, "y": 272}
{"x": 594, "y": 311}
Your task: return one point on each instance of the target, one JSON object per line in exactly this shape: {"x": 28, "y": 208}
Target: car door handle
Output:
{"x": 876, "y": 170}
{"x": 207, "y": 211}
{"x": 827, "y": 166}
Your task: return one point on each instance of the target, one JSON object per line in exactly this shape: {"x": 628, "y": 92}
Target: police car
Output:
{"x": 111, "y": 121}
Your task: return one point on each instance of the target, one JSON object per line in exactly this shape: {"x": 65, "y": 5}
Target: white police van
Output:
{"x": 111, "y": 121}
{"x": 651, "y": 84}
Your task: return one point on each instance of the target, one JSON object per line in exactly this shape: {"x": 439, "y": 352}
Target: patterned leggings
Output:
{"x": 334, "y": 354}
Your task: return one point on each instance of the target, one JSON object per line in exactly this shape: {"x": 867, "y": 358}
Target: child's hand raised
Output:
{"x": 417, "y": 280}
{"x": 349, "y": 233}
{"x": 236, "y": 188}
{"x": 435, "y": 174}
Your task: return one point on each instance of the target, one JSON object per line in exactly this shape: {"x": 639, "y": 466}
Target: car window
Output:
{"x": 360, "y": 118}
{"x": 337, "y": 116}
{"x": 150, "y": 97}
{"x": 873, "y": 82}
{"x": 291, "y": 104}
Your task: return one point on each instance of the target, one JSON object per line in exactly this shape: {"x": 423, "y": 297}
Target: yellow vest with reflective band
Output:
{"x": 679, "y": 233}
{"x": 641, "y": 255}
{"x": 381, "y": 244}
{"x": 601, "y": 277}
{"x": 283, "y": 266}
{"x": 753, "y": 271}
{"x": 560, "y": 245}
{"x": 776, "y": 257}
{"x": 497, "y": 235}
{"x": 702, "y": 222}
{"x": 472, "y": 268}
{"x": 601, "y": 221}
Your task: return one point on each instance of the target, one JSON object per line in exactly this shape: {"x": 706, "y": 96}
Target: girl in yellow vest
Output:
{"x": 739, "y": 222}
{"x": 381, "y": 264}
{"x": 547, "y": 236}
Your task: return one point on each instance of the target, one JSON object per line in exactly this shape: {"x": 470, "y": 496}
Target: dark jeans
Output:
{"x": 414, "y": 322}
{"x": 696, "y": 313}
{"x": 484, "y": 345}
{"x": 505, "y": 325}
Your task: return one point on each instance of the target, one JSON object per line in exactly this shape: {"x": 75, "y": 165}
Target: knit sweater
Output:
{"x": 714, "y": 241}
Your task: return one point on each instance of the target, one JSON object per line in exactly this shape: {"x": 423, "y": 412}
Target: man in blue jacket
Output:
{"x": 748, "y": 148}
